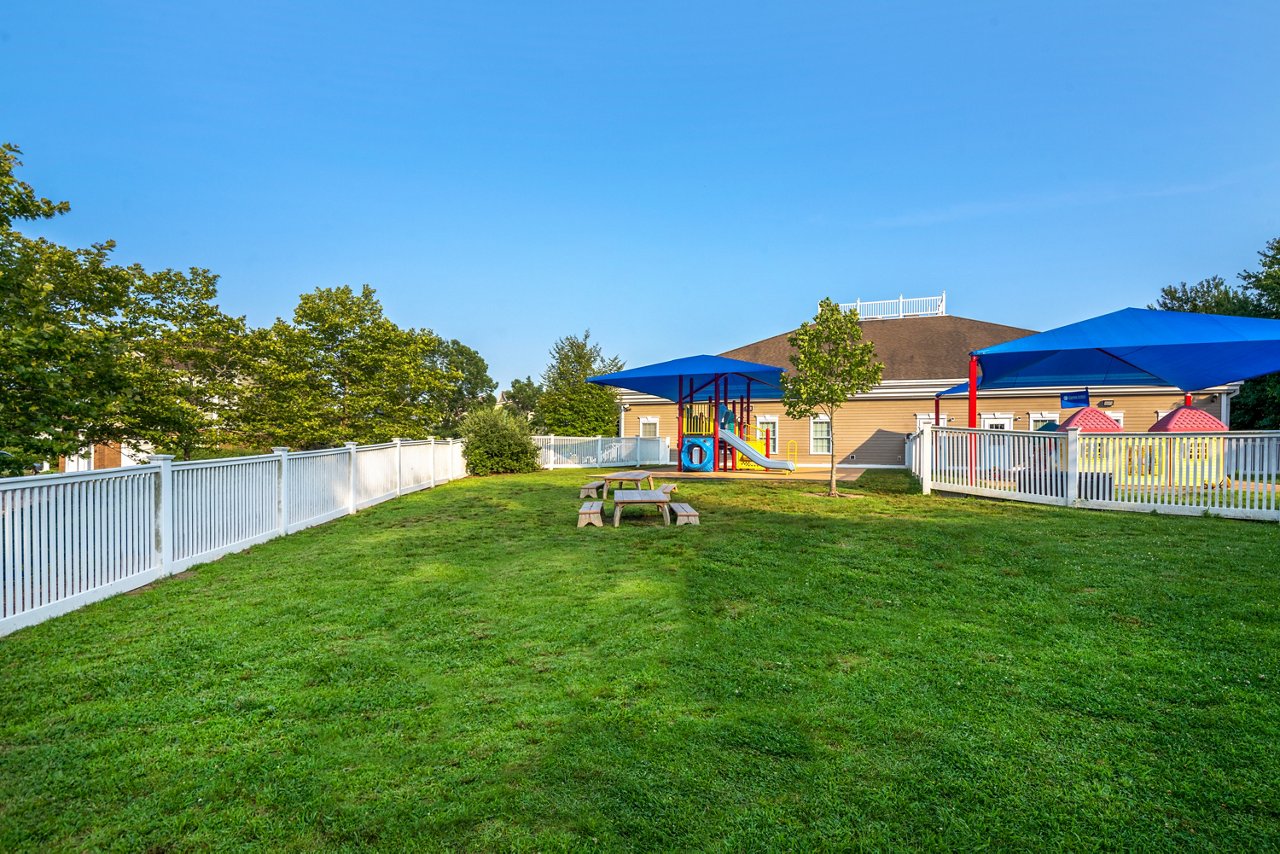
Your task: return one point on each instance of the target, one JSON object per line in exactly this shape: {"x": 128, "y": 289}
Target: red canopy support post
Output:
{"x": 937, "y": 411}
{"x": 715, "y": 427}
{"x": 680, "y": 427}
{"x": 973, "y": 391}
{"x": 1187, "y": 400}
{"x": 973, "y": 417}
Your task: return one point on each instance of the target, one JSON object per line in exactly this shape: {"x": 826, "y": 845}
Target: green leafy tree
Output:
{"x": 65, "y": 379}
{"x": 1257, "y": 407}
{"x": 497, "y": 442}
{"x": 473, "y": 388}
{"x": 832, "y": 363}
{"x": 569, "y": 405}
{"x": 522, "y": 399}
{"x": 341, "y": 371}
{"x": 186, "y": 361}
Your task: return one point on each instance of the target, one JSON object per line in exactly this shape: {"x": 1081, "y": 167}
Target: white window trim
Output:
{"x": 772, "y": 421}
{"x": 648, "y": 419}
{"x": 1046, "y": 415}
{"x": 1116, "y": 416}
{"x": 923, "y": 418}
{"x": 985, "y": 417}
{"x": 819, "y": 419}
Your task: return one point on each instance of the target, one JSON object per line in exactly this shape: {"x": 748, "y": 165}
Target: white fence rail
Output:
{"x": 70, "y": 539}
{"x": 1234, "y": 474}
{"x": 888, "y": 309}
{"x": 563, "y": 452}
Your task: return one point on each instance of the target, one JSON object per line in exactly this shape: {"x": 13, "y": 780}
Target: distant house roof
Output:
{"x": 912, "y": 348}
{"x": 1090, "y": 420}
{"x": 1187, "y": 419}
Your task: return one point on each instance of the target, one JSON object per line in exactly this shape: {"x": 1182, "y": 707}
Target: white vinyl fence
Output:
{"x": 1234, "y": 474}
{"x": 564, "y": 452}
{"x": 70, "y": 539}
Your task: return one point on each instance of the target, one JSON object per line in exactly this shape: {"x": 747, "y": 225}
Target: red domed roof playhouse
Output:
{"x": 1090, "y": 419}
{"x": 1188, "y": 419}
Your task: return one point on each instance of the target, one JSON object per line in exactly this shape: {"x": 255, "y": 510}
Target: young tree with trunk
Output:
{"x": 831, "y": 364}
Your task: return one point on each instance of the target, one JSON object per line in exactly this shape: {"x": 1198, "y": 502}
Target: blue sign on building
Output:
{"x": 1075, "y": 399}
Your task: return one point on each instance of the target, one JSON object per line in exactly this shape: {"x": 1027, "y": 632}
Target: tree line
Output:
{"x": 94, "y": 351}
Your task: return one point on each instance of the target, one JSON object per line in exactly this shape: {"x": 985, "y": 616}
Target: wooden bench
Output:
{"x": 685, "y": 515}
{"x": 668, "y": 488}
{"x": 591, "y": 490}
{"x": 590, "y": 514}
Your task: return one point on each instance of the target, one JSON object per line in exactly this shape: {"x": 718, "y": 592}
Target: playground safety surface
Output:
{"x": 671, "y": 472}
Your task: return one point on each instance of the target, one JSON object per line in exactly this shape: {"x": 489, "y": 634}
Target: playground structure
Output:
{"x": 727, "y": 443}
{"x": 713, "y": 396}
{"x": 716, "y": 433}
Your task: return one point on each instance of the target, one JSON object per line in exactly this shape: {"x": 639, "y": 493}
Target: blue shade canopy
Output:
{"x": 663, "y": 379}
{"x": 1135, "y": 346}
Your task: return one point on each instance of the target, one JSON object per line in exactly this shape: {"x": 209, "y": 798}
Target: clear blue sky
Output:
{"x": 679, "y": 177}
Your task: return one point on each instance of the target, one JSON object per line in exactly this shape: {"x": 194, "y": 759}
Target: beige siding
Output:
{"x": 872, "y": 431}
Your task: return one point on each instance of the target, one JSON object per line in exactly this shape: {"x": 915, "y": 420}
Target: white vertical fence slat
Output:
{"x": 70, "y": 539}
{"x": 1226, "y": 474}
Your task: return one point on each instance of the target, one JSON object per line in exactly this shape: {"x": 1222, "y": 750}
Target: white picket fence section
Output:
{"x": 70, "y": 539}
{"x": 565, "y": 452}
{"x": 1235, "y": 474}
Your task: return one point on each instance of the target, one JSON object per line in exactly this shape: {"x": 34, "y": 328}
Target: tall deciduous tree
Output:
{"x": 341, "y": 371}
{"x": 186, "y": 360}
{"x": 1258, "y": 295}
{"x": 522, "y": 399}
{"x": 569, "y": 405}
{"x": 472, "y": 390}
{"x": 832, "y": 363}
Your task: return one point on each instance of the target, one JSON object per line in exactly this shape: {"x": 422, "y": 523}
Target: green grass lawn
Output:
{"x": 462, "y": 668}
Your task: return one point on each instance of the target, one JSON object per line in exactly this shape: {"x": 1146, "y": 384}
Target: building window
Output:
{"x": 820, "y": 435}
{"x": 997, "y": 420}
{"x": 1040, "y": 420}
{"x": 649, "y": 427}
{"x": 1117, "y": 417}
{"x": 770, "y": 423}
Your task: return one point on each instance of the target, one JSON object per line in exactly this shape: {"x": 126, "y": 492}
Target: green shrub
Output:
{"x": 497, "y": 443}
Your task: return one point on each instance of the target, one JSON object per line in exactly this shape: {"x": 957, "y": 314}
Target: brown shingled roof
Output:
{"x": 912, "y": 348}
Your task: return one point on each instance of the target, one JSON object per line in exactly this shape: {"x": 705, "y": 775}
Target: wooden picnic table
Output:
{"x": 623, "y": 497}
{"x": 621, "y": 477}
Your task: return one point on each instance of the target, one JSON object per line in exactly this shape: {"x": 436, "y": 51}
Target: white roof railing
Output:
{"x": 888, "y": 309}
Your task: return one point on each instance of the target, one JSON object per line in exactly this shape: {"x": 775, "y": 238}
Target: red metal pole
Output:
{"x": 1187, "y": 400}
{"x": 973, "y": 417}
{"x": 680, "y": 427}
{"x": 715, "y": 427}
{"x": 973, "y": 391}
{"x": 937, "y": 411}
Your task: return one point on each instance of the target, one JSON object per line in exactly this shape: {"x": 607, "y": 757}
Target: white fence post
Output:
{"x": 282, "y": 488}
{"x": 1073, "y": 466}
{"x": 399, "y": 466}
{"x": 164, "y": 510}
{"x": 924, "y": 453}
{"x": 432, "y": 455}
{"x": 599, "y": 450}
{"x": 351, "y": 476}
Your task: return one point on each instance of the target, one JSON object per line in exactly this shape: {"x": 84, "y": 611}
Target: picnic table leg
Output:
{"x": 617, "y": 513}
{"x": 651, "y": 481}
{"x": 666, "y": 514}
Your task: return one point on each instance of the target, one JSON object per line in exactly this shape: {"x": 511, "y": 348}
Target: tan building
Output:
{"x": 922, "y": 356}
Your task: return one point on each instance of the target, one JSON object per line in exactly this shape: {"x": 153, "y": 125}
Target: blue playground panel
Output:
{"x": 697, "y": 453}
